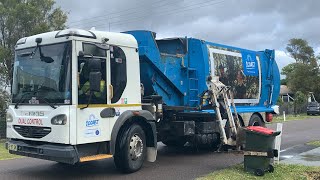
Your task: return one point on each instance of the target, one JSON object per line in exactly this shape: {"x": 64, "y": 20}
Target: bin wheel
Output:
{"x": 259, "y": 172}
{"x": 256, "y": 120}
{"x": 271, "y": 168}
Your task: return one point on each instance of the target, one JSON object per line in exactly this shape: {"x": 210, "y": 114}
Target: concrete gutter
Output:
{"x": 309, "y": 158}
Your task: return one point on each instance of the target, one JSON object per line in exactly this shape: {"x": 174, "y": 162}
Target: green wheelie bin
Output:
{"x": 259, "y": 149}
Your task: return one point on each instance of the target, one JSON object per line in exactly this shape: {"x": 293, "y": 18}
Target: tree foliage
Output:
{"x": 303, "y": 75}
{"x": 299, "y": 100}
{"x": 21, "y": 18}
{"x": 300, "y": 50}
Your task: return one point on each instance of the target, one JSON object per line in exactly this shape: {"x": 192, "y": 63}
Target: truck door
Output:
{"x": 91, "y": 125}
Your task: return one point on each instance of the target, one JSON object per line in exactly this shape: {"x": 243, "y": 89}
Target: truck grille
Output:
{"x": 32, "y": 131}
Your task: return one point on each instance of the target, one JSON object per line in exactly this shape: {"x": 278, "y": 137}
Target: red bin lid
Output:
{"x": 260, "y": 129}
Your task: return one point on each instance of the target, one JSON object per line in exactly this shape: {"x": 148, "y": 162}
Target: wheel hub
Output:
{"x": 135, "y": 147}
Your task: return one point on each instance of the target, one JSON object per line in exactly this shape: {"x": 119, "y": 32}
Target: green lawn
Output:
{"x": 291, "y": 117}
{"x": 281, "y": 172}
{"x": 4, "y": 154}
{"x": 314, "y": 143}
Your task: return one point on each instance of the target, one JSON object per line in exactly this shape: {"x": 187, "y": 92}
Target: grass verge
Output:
{"x": 291, "y": 117}
{"x": 314, "y": 143}
{"x": 281, "y": 172}
{"x": 4, "y": 154}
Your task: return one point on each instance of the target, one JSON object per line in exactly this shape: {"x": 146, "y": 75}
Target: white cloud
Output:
{"x": 283, "y": 59}
{"x": 251, "y": 24}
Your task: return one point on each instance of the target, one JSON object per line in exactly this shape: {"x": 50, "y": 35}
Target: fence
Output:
{"x": 289, "y": 108}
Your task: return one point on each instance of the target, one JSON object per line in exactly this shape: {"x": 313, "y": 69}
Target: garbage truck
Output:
{"x": 80, "y": 95}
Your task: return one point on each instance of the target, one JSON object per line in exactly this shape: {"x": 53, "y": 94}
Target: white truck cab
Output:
{"x": 76, "y": 97}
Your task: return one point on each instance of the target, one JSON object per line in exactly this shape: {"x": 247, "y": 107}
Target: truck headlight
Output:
{"x": 60, "y": 119}
{"x": 9, "y": 117}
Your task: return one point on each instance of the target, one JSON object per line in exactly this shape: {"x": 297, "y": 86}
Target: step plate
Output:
{"x": 95, "y": 157}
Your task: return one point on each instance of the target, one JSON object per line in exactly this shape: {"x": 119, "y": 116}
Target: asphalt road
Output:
{"x": 182, "y": 163}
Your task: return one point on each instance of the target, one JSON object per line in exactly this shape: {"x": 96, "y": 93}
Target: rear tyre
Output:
{"x": 256, "y": 120}
{"x": 131, "y": 149}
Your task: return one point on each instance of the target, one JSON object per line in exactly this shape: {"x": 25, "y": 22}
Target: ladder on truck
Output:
{"x": 221, "y": 95}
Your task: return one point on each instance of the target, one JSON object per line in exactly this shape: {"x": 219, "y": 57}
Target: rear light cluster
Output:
{"x": 269, "y": 117}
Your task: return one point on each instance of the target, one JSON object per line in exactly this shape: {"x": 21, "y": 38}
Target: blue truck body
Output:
{"x": 177, "y": 69}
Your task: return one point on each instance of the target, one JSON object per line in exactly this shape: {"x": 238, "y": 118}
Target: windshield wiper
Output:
{"x": 23, "y": 97}
{"x": 48, "y": 103}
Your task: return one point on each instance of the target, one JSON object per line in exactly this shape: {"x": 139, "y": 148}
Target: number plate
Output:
{"x": 12, "y": 147}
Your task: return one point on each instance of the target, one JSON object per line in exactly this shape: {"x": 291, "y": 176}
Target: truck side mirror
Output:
{"x": 94, "y": 79}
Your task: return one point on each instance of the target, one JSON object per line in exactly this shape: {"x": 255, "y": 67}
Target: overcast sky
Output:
{"x": 252, "y": 24}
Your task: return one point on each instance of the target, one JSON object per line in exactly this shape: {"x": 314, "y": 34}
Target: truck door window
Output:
{"x": 118, "y": 72}
{"x": 91, "y": 49}
{"x": 83, "y": 73}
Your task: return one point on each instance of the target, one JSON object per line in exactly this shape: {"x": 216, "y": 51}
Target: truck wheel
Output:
{"x": 131, "y": 149}
{"x": 255, "y": 120}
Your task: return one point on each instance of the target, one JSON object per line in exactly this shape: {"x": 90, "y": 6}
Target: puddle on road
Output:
{"x": 311, "y": 157}
{"x": 286, "y": 157}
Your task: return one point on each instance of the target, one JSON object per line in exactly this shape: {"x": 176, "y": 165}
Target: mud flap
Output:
{"x": 151, "y": 154}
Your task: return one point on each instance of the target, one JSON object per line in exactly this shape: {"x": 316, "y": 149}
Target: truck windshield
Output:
{"x": 36, "y": 81}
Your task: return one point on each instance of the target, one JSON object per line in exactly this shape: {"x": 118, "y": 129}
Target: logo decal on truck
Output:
{"x": 250, "y": 64}
{"x": 124, "y": 101}
{"x": 118, "y": 112}
{"x": 30, "y": 121}
{"x": 92, "y": 121}
{"x": 92, "y": 132}
{"x": 91, "y": 127}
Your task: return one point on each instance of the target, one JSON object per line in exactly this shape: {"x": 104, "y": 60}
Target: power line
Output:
{"x": 109, "y": 18}
{"x": 206, "y": 3}
{"x": 123, "y": 15}
{"x": 118, "y": 12}
{"x": 173, "y": 11}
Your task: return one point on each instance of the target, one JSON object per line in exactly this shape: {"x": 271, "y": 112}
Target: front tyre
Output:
{"x": 131, "y": 149}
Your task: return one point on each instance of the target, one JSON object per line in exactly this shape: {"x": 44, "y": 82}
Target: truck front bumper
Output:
{"x": 53, "y": 152}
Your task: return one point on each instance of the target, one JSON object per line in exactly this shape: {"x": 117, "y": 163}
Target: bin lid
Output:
{"x": 260, "y": 129}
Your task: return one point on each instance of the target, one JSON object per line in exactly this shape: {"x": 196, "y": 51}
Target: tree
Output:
{"x": 283, "y": 81}
{"x": 299, "y": 100}
{"x": 300, "y": 50}
{"x": 303, "y": 75}
{"x": 21, "y": 18}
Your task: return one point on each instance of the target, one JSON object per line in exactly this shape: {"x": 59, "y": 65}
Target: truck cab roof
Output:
{"x": 120, "y": 39}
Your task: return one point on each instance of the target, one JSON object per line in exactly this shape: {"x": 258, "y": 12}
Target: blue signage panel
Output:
{"x": 250, "y": 64}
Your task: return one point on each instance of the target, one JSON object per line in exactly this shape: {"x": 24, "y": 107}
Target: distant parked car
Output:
{"x": 313, "y": 108}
